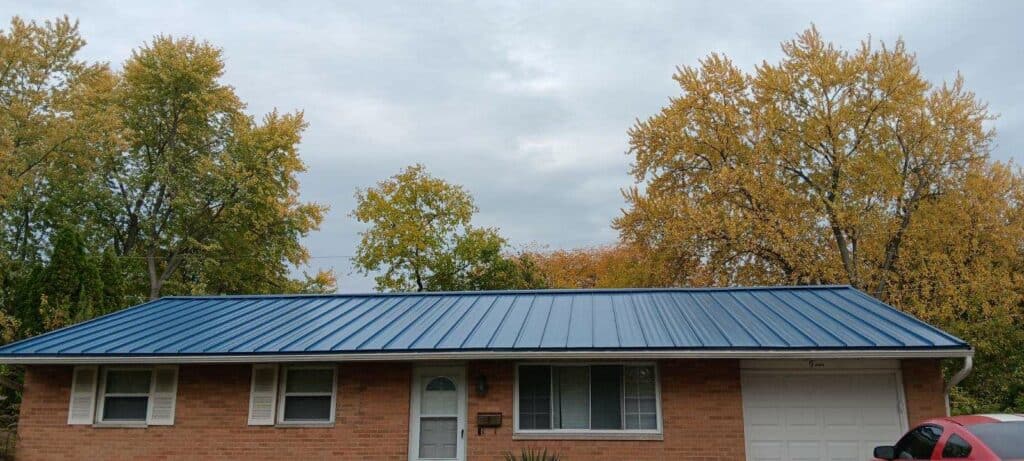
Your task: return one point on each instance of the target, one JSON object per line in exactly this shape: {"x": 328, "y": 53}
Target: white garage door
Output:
{"x": 801, "y": 415}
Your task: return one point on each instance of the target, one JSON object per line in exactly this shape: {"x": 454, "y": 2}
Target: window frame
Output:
{"x": 282, "y": 394}
{"x": 101, "y": 392}
{"x": 569, "y": 434}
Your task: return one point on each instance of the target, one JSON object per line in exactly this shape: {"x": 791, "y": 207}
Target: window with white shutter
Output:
{"x": 83, "y": 395}
{"x": 263, "y": 395}
{"x": 137, "y": 396}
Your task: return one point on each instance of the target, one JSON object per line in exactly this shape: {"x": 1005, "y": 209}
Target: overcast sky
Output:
{"x": 526, "y": 104}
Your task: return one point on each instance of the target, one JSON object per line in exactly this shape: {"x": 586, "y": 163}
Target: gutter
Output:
{"x": 957, "y": 378}
{"x": 486, "y": 355}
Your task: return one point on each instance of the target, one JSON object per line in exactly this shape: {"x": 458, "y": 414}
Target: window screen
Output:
{"x": 535, "y": 397}
{"x": 571, "y": 389}
{"x": 605, "y": 392}
{"x": 640, "y": 401}
{"x": 126, "y": 395}
{"x": 308, "y": 393}
{"x": 594, "y": 397}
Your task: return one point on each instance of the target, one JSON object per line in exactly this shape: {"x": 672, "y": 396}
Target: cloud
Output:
{"x": 526, "y": 104}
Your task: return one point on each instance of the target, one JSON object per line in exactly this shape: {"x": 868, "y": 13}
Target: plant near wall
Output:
{"x": 531, "y": 454}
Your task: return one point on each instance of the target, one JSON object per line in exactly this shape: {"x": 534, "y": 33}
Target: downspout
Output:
{"x": 958, "y": 377}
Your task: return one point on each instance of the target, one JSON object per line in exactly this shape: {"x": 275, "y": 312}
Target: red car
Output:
{"x": 969, "y": 437}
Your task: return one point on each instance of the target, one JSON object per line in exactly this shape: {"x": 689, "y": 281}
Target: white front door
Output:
{"x": 437, "y": 428}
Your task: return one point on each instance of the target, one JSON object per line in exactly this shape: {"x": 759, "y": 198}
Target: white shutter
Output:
{"x": 263, "y": 395}
{"x": 82, "y": 408}
{"x": 163, "y": 395}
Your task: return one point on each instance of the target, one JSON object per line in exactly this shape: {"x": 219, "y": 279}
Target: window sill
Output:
{"x": 121, "y": 425}
{"x": 325, "y": 424}
{"x": 595, "y": 435}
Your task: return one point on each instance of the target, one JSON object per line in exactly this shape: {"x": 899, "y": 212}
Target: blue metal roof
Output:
{"x": 760, "y": 318}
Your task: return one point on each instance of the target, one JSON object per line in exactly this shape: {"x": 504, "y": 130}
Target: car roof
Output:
{"x": 969, "y": 420}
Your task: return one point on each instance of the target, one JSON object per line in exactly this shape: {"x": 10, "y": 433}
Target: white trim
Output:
{"x": 494, "y": 355}
{"x": 820, "y": 364}
{"x": 282, "y": 385}
{"x": 458, "y": 372}
{"x": 591, "y": 434}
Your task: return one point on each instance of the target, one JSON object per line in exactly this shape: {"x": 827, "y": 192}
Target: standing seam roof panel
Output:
{"x": 768, "y": 318}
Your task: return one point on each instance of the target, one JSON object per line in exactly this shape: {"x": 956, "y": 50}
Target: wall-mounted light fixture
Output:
{"x": 481, "y": 385}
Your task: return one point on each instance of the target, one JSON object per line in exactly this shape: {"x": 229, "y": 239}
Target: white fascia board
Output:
{"x": 493, "y": 355}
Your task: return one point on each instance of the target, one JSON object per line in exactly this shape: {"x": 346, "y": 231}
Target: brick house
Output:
{"x": 823, "y": 372}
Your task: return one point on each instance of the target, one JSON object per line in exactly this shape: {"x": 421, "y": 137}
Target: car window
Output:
{"x": 918, "y": 443}
{"x": 1002, "y": 438}
{"x": 956, "y": 447}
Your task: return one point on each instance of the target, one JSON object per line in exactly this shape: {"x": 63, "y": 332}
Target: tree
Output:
{"x": 201, "y": 191}
{"x": 69, "y": 287}
{"x": 826, "y": 148}
{"x": 611, "y": 266}
{"x": 54, "y": 118}
{"x": 420, "y": 236}
{"x": 836, "y": 166}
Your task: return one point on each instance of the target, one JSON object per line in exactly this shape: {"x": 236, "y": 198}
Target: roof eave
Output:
{"x": 493, "y": 355}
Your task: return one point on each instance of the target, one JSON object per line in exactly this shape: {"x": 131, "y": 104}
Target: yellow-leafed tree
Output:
{"x": 838, "y": 166}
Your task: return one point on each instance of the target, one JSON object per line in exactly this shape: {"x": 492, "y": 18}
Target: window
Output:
{"x": 307, "y": 394}
{"x": 919, "y": 443}
{"x": 956, "y": 447}
{"x": 1002, "y": 438}
{"x": 587, "y": 398}
{"x": 125, "y": 394}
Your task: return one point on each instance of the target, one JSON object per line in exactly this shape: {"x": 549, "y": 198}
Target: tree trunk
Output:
{"x": 155, "y": 282}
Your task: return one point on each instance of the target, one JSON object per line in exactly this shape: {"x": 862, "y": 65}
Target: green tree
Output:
{"x": 835, "y": 166}
{"x": 54, "y": 119}
{"x": 202, "y": 194}
{"x": 52, "y": 111}
{"x": 69, "y": 287}
{"x": 420, "y": 238}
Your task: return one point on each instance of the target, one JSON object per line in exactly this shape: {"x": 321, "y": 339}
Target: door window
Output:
{"x": 439, "y": 409}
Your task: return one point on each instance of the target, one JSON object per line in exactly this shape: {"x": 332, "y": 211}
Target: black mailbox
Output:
{"x": 488, "y": 420}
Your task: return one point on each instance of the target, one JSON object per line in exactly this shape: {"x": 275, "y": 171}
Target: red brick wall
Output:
{"x": 923, "y": 386}
{"x": 700, "y": 401}
{"x": 701, "y": 405}
{"x": 371, "y": 422}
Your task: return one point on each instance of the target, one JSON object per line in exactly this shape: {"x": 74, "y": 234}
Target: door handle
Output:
{"x": 462, "y": 433}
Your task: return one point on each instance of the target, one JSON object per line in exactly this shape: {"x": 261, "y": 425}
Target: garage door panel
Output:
{"x": 801, "y": 417}
{"x": 767, "y": 451}
{"x": 804, "y": 450}
{"x": 880, "y": 417}
{"x": 843, "y": 451}
{"x": 764, "y": 416}
{"x": 841, "y": 418}
{"x": 793, "y": 416}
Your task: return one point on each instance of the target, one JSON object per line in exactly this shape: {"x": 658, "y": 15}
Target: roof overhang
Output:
{"x": 493, "y": 355}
